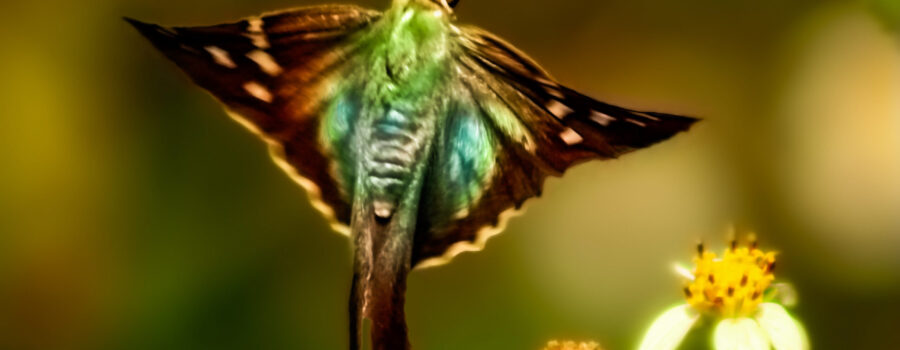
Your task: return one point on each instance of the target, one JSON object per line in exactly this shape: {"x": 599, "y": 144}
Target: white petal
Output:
{"x": 740, "y": 334}
{"x": 684, "y": 271}
{"x": 669, "y": 329}
{"x": 784, "y": 332}
{"x": 785, "y": 294}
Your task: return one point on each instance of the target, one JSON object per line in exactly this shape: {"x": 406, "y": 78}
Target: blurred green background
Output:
{"x": 135, "y": 215}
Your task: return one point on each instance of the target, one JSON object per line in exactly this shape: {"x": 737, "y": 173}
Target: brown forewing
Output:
{"x": 270, "y": 73}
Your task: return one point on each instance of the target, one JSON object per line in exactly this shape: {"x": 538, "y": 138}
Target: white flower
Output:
{"x": 670, "y": 328}
{"x": 730, "y": 290}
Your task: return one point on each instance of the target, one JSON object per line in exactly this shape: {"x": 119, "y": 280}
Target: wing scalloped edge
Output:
{"x": 484, "y": 234}
{"x": 314, "y": 194}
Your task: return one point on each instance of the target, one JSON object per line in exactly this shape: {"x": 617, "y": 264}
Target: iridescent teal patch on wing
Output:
{"x": 339, "y": 118}
{"x": 338, "y": 126}
{"x": 469, "y": 159}
{"x": 507, "y": 122}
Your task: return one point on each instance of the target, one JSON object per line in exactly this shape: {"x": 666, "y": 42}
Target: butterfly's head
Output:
{"x": 445, "y": 6}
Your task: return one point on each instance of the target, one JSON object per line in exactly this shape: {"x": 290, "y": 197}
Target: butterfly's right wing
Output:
{"x": 514, "y": 125}
{"x": 279, "y": 75}
{"x": 573, "y": 128}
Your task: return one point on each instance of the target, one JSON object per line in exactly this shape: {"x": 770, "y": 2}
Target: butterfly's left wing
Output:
{"x": 277, "y": 74}
{"x": 511, "y": 126}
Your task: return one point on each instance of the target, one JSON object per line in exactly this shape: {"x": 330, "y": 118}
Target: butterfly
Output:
{"x": 416, "y": 136}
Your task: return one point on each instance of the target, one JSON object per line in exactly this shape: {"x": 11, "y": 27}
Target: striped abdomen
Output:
{"x": 394, "y": 149}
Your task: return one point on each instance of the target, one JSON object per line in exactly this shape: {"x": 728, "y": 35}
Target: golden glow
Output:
{"x": 732, "y": 285}
{"x": 840, "y": 119}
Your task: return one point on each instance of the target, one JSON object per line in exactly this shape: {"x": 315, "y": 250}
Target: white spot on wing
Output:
{"x": 558, "y": 109}
{"x": 265, "y": 61}
{"x": 256, "y": 89}
{"x": 552, "y": 92}
{"x": 220, "y": 56}
{"x": 256, "y": 34}
{"x": 259, "y": 40}
{"x": 255, "y": 25}
{"x": 635, "y": 122}
{"x": 645, "y": 115}
{"x": 601, "y": 118}
{"x": 570, "y": 136}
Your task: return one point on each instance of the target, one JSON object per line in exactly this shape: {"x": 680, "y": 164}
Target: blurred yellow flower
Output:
{"x": 731, "y": 289}
{"x": 570, "y": 345}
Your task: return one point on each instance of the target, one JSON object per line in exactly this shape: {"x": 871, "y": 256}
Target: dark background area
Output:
{"x": 135, "y": 215}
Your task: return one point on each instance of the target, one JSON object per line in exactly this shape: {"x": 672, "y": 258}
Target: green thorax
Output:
{"x": 385, "y": 116}
{"x": 409, "y": 51}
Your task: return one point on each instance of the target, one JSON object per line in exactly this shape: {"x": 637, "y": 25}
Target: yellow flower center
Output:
{"x": 732, "y": 285}
{"x": 570, "y": 345}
